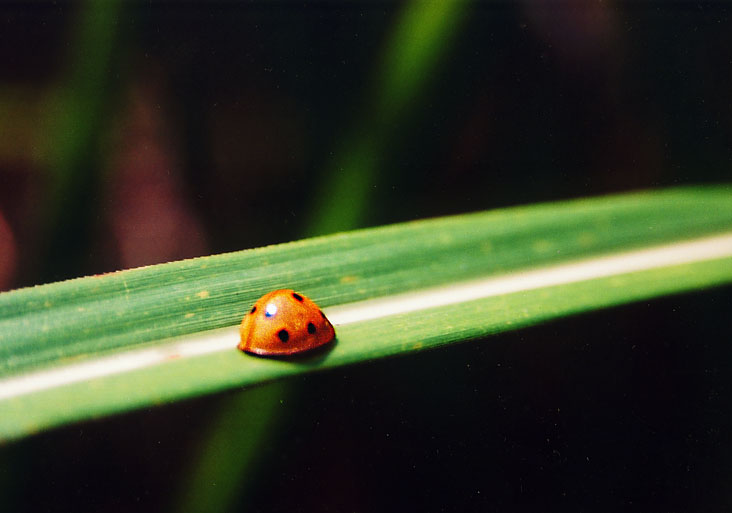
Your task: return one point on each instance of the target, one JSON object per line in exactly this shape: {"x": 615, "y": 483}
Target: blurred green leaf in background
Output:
{"x": 412, "y": 55}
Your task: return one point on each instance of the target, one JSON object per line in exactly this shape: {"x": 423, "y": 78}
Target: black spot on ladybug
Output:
{"x": 254, "y": 309}
{"x": 284, "y": 336}
{"x": 297, "y": 296}
{"x": 311, "y": 328}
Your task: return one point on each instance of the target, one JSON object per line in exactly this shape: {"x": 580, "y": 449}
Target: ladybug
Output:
{"x": 283, "y": 323}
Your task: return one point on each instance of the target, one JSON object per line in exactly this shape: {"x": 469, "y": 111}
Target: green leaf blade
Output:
{"x": 55, "y": 325}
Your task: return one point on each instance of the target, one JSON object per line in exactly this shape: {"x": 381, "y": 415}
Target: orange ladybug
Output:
{"x": 282, "y": 323}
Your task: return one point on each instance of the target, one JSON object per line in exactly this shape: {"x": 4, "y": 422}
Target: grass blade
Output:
{"x": 58, "y": 325}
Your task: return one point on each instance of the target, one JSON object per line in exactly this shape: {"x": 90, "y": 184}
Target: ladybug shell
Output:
{"x": 282, "y": 323}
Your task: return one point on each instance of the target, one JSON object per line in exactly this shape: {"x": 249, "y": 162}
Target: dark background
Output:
{"x": 184, "y": 128}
